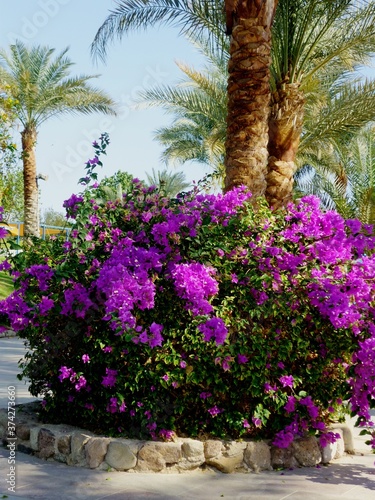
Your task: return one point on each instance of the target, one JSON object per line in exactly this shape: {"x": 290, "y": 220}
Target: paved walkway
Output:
{"x": 351, "y": 478}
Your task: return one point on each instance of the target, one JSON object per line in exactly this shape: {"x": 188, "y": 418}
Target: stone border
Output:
{"x": 7, "y": 334}
{"x": 81, "y": 448}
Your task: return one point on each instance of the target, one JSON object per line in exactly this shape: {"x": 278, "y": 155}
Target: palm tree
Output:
{"x": 167, "y": 183}
{"x": 246, "y": 160}
{"x": 266, "y": 105}
{"x": 43, "y": 88}
{"x": 249, "y": 23}
{"x": 343, "y": 177}
{"x": 335, "y": 105}
{"x": 316, "y": 46}
{"x": 199, "y": 106}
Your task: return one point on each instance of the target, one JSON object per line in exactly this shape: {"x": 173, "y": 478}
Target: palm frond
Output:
{"x": 198, "y": 19}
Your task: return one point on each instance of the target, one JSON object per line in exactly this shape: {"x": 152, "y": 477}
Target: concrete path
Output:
{"x": 350, "y": 478}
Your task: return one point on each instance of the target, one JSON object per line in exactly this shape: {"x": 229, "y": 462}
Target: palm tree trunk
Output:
{"x": 248, "y": 93}
{"x": 285, "y": 128}
{"x": 31, "y": 225}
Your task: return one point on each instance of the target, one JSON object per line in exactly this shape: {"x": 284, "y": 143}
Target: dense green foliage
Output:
{"x": 197, "y": 315}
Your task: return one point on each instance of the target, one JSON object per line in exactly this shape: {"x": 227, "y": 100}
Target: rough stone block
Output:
{"x": 120, "y": 457}
{"x": 212, "y": 448}
{"x": 193, "y": 450}
{"x": 46, "y": 443}
{"x": 62, "y": 442}
{"x": 78, "y": 441}
{"x": 96, "y": 449}
{"x": 192, "y": 454}
{"x": 171, "y": 452}
{"x": 328, "y": 452}
{"x": 149, "y": 459}
{"x": 231, "y": 457}
{"x": 283, "y": 458}
{"x": 234, "y": 448}
{"x": 23, "y": 431}
{"x": 257, "y": 456}
{"x": 306, "y": 451}
{"x": 226, "y": 464}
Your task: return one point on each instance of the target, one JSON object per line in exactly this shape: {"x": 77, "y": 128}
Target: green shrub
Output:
{"x": 197, "y": 315}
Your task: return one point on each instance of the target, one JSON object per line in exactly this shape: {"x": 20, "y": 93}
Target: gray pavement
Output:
{"x": 351, "y": 478}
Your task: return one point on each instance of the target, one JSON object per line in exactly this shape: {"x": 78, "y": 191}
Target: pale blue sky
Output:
{"x": 141, "y": 60}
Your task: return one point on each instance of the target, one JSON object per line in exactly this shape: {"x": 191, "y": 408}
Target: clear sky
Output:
{"x": 140, "y": 61}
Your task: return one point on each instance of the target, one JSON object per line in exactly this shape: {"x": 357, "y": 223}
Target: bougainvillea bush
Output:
{"x": 198, "y": 315}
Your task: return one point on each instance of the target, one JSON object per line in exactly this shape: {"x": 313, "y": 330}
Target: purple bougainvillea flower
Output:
{"x": 214, "y": 411}
{"x": 215, "y": 329}
{"x": 109, "y": 380}
{"x": 242, "y": 359}
{"x": 287, "y": 380}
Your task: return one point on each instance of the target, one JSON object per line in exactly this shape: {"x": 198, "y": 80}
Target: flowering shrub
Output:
{"x": 198, "y": 315}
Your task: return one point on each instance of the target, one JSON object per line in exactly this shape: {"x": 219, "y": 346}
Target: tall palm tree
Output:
{"x": 314, "y": 41}
{"x": 42, "y": 86}
{"x": 336, "y": 104}
{"x": 249, "y": 23}
{"x": 266, "y": 105}
{"x": 199, "y": 106}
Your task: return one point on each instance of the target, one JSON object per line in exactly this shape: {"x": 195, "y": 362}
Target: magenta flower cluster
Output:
{"x": 166, "y": 306}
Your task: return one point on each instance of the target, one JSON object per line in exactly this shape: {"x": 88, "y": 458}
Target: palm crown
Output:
{"x": 42, "y": 87}
{"x": 317, "y": 45}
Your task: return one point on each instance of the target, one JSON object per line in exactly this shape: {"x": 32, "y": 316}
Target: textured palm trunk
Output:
{"x": 285, "y": 128}
{"x": 246, "y": 160}
{"x": 31, "y": 225}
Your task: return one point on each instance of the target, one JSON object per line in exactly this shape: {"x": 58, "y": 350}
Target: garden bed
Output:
{"x": 80, "y": 448}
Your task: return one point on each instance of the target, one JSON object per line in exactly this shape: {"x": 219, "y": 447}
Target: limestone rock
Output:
{"x": 328, "y": 452}
{"x": 171, "y": 452}
{"x": 192, "y": 454}
{"x": 46, "y": 443}
{"x": 149, "y": 459}
{"x": 212, "y": 448}
{"x": 283, "y": 458}
{"x": 78, "y": 441}
{"x": 306, "y": 451}
{"x": 120, "y": 457}
{"x": 23, "y": 431}
{"x": 96, "y": 449}
{"x": 63, "y": 444}
{"x": 257, "y": 456}
{"x": 226, "y": 464}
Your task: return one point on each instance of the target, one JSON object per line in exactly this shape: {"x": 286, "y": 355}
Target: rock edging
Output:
{"x": 8, "y": 334}
{"x": 81, "y": 448}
